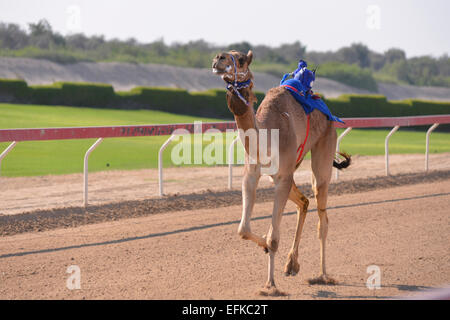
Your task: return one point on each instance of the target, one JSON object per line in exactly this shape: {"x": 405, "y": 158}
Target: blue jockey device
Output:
{"x": 300, "y": 88}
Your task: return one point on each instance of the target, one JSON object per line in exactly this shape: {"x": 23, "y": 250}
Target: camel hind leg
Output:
{"x": 322, "y": 155}
{"x": 292, "y": 266}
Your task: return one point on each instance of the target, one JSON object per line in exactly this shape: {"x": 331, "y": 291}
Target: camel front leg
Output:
{"x": 282, "y": 188}
{"x": 249, "y": 183}
{"x": 292, "y": 266}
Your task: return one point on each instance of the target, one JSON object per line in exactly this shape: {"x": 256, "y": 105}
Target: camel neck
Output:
{"x": 244, "y": 115}
{"x": 246, "y": 121}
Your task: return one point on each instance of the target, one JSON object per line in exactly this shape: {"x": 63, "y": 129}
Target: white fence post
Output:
{"x": 230, "y": 162}
{"x": 160, "y": 165}
{"x": 386, "y": 147}
{"x": 86, "y": 169}
{"x": 343, "y": 134}
{"x": 427, "y": 147}
{"x": 7, "y": 150}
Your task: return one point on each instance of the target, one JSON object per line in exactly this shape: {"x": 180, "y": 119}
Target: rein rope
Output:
{"x": 235, "y": 86}
{"x": 301, "y": 147}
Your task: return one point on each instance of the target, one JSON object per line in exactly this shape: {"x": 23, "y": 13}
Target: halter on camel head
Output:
{"x": 235, "y": 86}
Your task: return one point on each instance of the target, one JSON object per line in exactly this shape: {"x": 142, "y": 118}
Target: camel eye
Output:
{"x": 222, "y": 57}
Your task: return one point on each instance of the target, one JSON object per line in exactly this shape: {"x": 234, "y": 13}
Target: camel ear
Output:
{"x": 249, "y": 57}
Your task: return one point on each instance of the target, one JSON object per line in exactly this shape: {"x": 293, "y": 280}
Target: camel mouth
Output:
{"x": 218, "y": 71}
{"x": 221, "y": 71}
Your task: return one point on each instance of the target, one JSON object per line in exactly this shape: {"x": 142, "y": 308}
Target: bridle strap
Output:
{"x": 235, "y": 86}
{"x": 235, "y": 89}
{"x": 235, "y": 70}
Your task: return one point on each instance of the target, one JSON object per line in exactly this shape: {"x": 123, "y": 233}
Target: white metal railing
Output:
{"x": 17, "y": 135}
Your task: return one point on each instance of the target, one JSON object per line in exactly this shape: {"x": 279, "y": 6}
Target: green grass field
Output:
{"x": 66, "y": 156}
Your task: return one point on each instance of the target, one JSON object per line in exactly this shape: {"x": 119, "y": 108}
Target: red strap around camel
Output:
{"x": 301, "y": 147}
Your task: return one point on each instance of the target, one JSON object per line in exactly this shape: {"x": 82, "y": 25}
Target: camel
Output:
{"x": 279, "y": 110}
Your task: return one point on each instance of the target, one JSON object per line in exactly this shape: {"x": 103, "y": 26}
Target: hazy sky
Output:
{"x": 416, "y": 26}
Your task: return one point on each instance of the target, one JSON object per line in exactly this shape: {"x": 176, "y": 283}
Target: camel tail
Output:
{"x": 342, "y": 164}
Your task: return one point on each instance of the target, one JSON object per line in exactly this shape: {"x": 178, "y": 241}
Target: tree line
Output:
{"x": 355, "y": 65}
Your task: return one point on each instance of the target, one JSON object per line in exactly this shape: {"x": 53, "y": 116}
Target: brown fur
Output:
{"x": 279, "y": 110}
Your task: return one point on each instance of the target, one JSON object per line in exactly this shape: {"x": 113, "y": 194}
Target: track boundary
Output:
{"x": 42, "y": 220}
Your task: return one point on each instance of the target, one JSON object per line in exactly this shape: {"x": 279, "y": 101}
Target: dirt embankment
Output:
{"x": 25, "y": 194}
{"x": 124, "y": 76}
{"x": 42, "y": 220}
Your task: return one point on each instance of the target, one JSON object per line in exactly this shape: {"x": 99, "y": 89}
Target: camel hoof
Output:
{"x": 324, "y": 280}
{"x": 271, "y": 291}
{"x": 291, "y": 268}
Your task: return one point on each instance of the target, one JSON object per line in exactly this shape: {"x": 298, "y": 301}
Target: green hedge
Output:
{"x": 352, "y": 106}
{"x": 210, "y": 103}
{"x": 73, "y": 94}
{"x": 46, "y": 94}
{"x": 88, "y": 94}
{"x": 13, "y": 87}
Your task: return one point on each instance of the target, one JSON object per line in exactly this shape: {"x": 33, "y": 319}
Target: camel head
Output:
{"x": 233, "y": 64}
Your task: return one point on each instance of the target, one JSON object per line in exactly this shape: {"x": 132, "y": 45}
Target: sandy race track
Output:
{"x": 197, "y": 254}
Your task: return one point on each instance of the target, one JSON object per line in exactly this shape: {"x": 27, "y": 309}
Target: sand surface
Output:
{"x": 197, "y": 254}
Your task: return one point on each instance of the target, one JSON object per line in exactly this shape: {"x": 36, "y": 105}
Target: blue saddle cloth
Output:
{"x": 308, "y": 102}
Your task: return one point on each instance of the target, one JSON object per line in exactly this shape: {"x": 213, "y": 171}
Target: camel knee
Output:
{"x": 273, "y": 245}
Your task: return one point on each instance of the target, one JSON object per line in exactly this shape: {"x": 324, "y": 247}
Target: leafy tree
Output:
{"x": 394, "y": 54}
{"x": 357, "y": 64}
{"x": 351, "y": 75}
{"x": 12, "y": 37}
{"x": 356, "y": 53}
{"x": 42, "y": 36}
{"x": 240, "y": 46}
